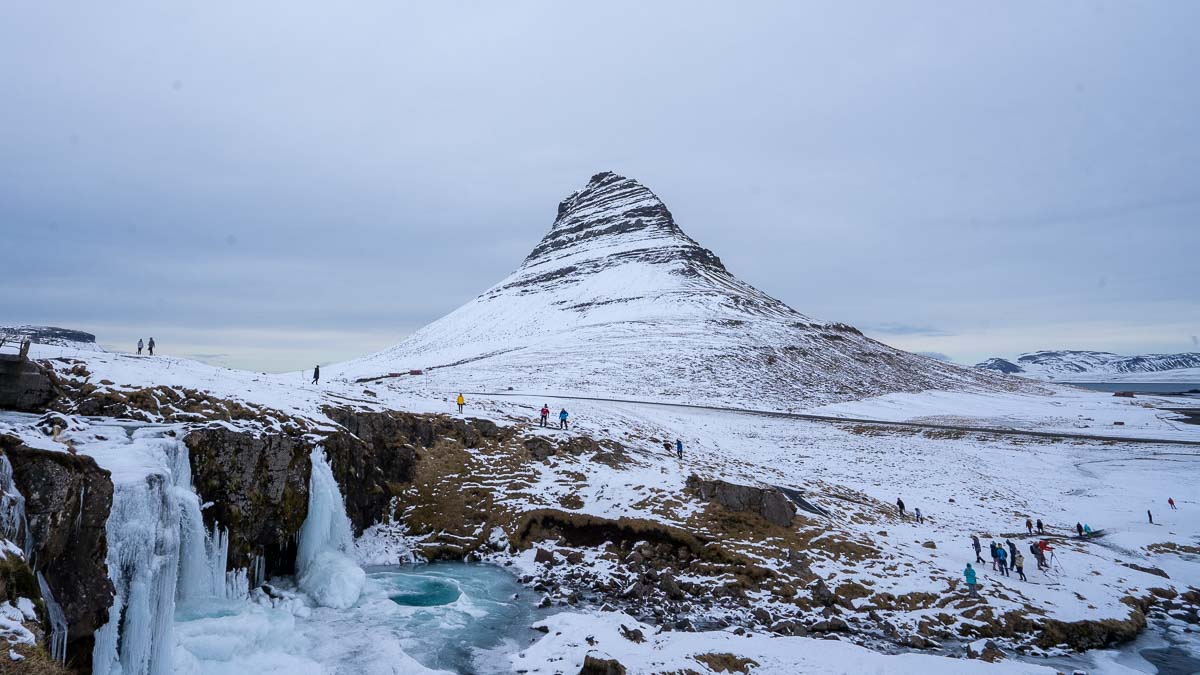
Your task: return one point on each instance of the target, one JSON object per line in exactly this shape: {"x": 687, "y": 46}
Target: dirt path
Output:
{"x": 1054, "y": 435}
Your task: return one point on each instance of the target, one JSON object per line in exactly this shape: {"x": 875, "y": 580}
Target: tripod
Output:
{"x": 1054, "y": 564}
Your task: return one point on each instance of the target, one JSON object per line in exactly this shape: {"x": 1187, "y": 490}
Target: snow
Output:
{"x": 1069, "y": 410}
{"x": 567, "y": 643}
{"x": 1087, "y": 366}
{"x": 12, "y": 625}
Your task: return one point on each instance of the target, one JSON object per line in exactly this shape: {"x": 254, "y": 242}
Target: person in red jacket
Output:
{"x": 545, "y": 413}
{"x": 1171, "y": 503}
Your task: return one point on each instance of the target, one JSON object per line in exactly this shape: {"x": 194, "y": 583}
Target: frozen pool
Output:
{"x": 456, "y": 617}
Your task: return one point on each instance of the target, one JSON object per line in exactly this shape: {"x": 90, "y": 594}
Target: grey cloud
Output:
{"x": 270, "y": 174}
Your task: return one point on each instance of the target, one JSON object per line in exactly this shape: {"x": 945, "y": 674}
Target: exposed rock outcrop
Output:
{"x": 67, "y": 502}
{"x": 769, "y": 503}
{"x": 258, "y": 482}
{"x": 593, "y": 665}
{"x": 24, "y": 385}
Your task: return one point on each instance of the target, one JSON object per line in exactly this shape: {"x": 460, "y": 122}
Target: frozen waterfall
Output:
{"x": 12, "y": 510}
{"x": 325, "y": 568}
{"x": 158, "y": 553}
{"x": 58, "y": 622}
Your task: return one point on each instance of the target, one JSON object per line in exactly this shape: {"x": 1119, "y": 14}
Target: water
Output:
{"x": 1168, "y": 646}
{"x": 446, "y": 616}
{"x": 463, "y": 616}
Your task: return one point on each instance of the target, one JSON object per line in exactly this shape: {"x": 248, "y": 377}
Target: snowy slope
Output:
{"x": 1085, "y": 366}
{"x": 617, "y": 300}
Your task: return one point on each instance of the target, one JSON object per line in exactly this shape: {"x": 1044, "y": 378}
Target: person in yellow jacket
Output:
{"x": 461, "y": 401}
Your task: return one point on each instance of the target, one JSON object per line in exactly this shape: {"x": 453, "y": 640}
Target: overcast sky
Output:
{"x": 271, "y": 185}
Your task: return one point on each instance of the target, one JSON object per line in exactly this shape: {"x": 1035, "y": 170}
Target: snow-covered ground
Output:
{"x": 964, "y": 483}
{"x": 1070, "y": 410}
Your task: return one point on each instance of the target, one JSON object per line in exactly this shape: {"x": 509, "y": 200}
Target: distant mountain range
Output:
{"x": 1085, "y": 366}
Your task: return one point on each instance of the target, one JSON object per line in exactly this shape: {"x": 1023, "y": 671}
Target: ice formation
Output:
{"x": 325, "y": 566}
{"x": 58, "y": 621}
{"x": 12, "y": 509}
{"x": 158, "y": 553}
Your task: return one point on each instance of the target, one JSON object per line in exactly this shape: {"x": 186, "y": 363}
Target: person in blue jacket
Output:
{"x": 562, "y": 419}
{"x": 972, "y": 583}
{"x": 679, "y": 448}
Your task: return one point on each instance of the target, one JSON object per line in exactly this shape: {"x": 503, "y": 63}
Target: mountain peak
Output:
{"x": 617, "y": 300}
{"x": 617, "y": 218}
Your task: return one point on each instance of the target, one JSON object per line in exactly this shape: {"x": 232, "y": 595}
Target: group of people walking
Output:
{"x": 143, "y": 345}
{"x": 545, "y": 417}
{"x": 1006, "y": 558}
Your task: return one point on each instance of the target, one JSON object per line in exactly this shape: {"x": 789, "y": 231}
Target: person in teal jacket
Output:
{"x": 562, "y": 419}
{"x": 972, "y": 584}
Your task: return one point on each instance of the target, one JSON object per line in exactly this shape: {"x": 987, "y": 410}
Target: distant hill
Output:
{"x": 50, "y": 335}
{"x": 1085, "y": 366}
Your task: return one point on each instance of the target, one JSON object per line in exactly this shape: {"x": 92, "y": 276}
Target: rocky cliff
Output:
{"x": 24, "y": 385}
{"x": 258, "y": 480}
{"x": 67, "y": 501}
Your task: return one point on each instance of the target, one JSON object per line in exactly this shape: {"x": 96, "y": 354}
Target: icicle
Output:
{"x": 58, "y": 622}
{"x": 13, "y": 526}
{"x": 79, "y": 514}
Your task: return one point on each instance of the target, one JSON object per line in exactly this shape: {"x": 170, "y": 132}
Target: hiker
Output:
{"x": 562, "y": 419}
{"x": 1029, "y": 525}
{"x": 995, "y": 556}
{"x": 1087, "y": 530}
{"x": 976, "y": 545}
{"x": 1019, "y": 564}
{"x": 140, "y": 346}
{"x": 972, "y": 583}
{"x": 679, "y": 448}
{"x": 1044, "y": 547}
{"x": 1150, "y": 516}
{"x": 150, "y": 345}
{"x": 1171, "y": 503}
{"x": 1079, "y": 529}
{"x": 461, "y": 402}
{"x": 1041, "y": 528}
{"x": 316, "y": 373}
{"x": 917, "y": 513}
{"x": 1002, "y": 558}
{"x": 1037, "y": 555}
{"x": 900, "y": 506}
{"x": 1012, "y": 549}
{"x": 545, "y": 413}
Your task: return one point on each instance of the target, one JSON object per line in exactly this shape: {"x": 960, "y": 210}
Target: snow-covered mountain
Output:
{"x": 617, "y": 300}
{"x": 1085, "y": 366}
